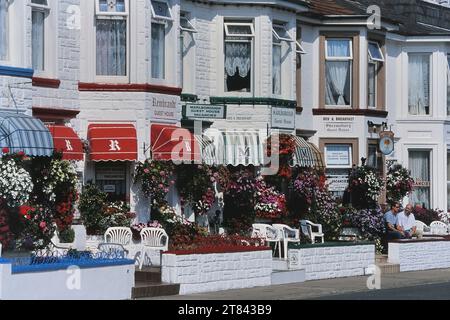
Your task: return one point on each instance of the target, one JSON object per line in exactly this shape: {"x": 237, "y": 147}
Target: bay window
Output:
{"x": 238, "y": 56}
{"x": 111, "y": 35}
{"x": 338, "y": 72}
{"x": 419, "y": 84}
{"x": 40, "y": 10}
{"x": 4, "y": 30}
{"x": 419, "y": 165}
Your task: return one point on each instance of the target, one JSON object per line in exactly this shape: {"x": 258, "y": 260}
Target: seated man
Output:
{"x": 407, "y": 223}
{"x": 391, "y": 221}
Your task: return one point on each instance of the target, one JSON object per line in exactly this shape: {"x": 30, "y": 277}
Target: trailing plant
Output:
{"x": 364, "y": 187}
{"x": 398, "y": 183}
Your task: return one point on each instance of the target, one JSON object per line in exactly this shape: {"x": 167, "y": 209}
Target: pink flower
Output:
{"x": 42, "y": 225}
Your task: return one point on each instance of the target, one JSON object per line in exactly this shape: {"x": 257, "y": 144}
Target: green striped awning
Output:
{"x": 19, "y": 132}
{"x": 306, "y": 154}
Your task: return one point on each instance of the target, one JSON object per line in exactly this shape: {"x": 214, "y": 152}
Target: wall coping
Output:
{"x": 409, "y": 241}
{"x": 217, "y": 251}
{"x": 16, "y": 72}
{"x": 330, "y": 244}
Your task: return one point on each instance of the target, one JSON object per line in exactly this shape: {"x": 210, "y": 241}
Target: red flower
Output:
{"x": 23, "y": 210}
{"x": 5, "y": 150}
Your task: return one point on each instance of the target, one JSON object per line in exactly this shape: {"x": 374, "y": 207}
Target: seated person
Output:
{"x": 391, "y": 221}
{"x": 406, "y": 222}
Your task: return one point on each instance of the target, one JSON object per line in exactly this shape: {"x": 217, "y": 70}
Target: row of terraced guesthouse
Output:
{"x": 111, "y": 79}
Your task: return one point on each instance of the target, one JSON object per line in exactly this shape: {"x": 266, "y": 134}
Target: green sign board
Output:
{"x": 204, "y": 111}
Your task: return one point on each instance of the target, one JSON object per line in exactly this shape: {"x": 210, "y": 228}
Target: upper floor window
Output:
{"x": 186, "y": 42}
{"x": 40, "y": 10}
{"x": 419, "y": 84}
{"x": 4, "y": 30}
{"x": 161, "y": 14}
{"x": 238, "y": 56}
{"x": 338, "y": 70}
{"x": 111, "y": 34}
{"x": 375, "y": 58}
{"x": 280, "y": 35}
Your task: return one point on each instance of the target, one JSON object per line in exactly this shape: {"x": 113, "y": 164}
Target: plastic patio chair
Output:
{"x": 287, "y": 234}
{"x": 121, "y": 235}
{"x": 153, "y": 239}
{"x": 269, "y": 234}
{"x": 426, "y": 230}
{"x": 439, "y": 228}
{"x": 113, "y": 250}
{"x": 307, "y": 228}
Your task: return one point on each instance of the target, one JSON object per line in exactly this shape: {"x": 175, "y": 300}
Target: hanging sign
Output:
{"x": 386, "y": 142}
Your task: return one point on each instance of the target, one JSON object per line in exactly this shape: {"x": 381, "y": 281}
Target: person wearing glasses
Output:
{"x": 407, "y": 223}
{"x": 391, "y": 221}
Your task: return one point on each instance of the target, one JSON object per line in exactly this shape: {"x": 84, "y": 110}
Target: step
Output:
{"x": 286, "y": 277}
{"x": 388, "y": 268}
{"x": 280, "y": 264}
{"x": 151, "y": 275}
{"x": 148, "y": 290}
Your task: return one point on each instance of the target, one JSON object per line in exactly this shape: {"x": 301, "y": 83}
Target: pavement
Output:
{"x": 418, "y": 282}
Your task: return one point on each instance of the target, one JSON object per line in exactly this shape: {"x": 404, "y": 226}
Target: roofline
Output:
{"x": 286, "y": 4}
{"x": 344, "y": 20}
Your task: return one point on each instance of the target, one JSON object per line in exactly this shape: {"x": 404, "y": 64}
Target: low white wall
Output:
{"x": 217, "y": 271}
{"x": 102, "y": 283}
{"x": 332, "y": 262}
{"x": 420, "y": 255}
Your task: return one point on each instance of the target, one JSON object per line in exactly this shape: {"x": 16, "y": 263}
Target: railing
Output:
{"x": 59, "y": 260}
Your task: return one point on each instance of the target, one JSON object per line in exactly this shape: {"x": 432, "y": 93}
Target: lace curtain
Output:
{"x": 419, "y": 89}
{"x": 237, "y": 58}
{"x": 158, "y": 50}
{"x": 276, "y": 69}
{"x": 37, "y": 40}
{"x": 419, "y": 164}
{"x": 111, "y": 47}
{"x": 4, "y": 30}
{"x": 338, "y": 83}
{"x": 372, "y": 84}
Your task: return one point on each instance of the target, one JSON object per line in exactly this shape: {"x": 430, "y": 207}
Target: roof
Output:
{"x": 414, "y": 17}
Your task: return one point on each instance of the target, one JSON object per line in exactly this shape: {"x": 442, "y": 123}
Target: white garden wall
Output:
{"x": 112, "y": 282}
{"x": 217, "y": 271}
{"x": 422, "y": 255}
{"x": 333, "y": 261}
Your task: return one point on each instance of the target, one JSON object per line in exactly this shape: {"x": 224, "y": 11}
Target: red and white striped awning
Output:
{"x": 65, "y": 140}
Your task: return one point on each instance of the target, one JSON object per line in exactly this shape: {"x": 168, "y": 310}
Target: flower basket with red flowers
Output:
{"x": 398, "y": 183}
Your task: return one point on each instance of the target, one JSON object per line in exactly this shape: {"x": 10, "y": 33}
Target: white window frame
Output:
{"x": 157, "y": 17}
{"x": 379, "y": 50}
{"x": 247, "y": 24}
{"x": 102, "y": 15}
{"x": 8, "y": 35}
{"x": 376, "y": 84}
{"x": 48, "y": 47}
{"x": 248, "y": 38}
{"x": 280, "y": 38}
{"x": 298, "y": 48}
{"x": 335, "y": 166}
{"x": 191, "y": 29}
{"x": 110, "y": 14}
{"x": 430, "y": 84}
{"x": 339, "y": 58}
{"x": 165, "y": 52}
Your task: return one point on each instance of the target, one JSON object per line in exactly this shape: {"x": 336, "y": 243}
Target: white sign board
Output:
{"x": 165, "y": 108}
{"x": 338, "y": 155}
{"x": 204, "y": 111}
{"x": 283, "y": 118}
{"x": 338, "y": 124}
{"x": 337, "y": 183}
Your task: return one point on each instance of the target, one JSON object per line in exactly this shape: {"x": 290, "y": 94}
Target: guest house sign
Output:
{"x": 386, "y": 142}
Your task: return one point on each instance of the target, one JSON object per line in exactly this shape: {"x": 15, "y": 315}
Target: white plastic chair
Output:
{"x": 120, "y": 235}
{"x": 268, "y": 234}
{"x": 314, "y": 234}
{"x": 287, "y": 234}
{"x": 423, "y": 227}
{"x": 439, "y": 228}
{"x": 153, "y": 239}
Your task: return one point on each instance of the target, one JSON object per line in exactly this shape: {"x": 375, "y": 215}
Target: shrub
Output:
{"x": 427, "y": 216}
{"x": 91, "y": 206}
{"x": 66, "y": 235}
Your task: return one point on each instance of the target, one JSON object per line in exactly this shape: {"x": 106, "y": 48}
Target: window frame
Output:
{"x": 248, "y": 24}
{"x": 375, "y": 64}
{"x": 430, "y": 171}
{"x": 430, "y": 79}
{"x": 158, "y": 17}
{"x": 350, "y": 152}
{"x": 111, "y": 14}
{"x": 164, "y": 24}
{"x": 191, "y": 29}
{"x": 280, "y": 38}
{"x": 101, "y": 15}
{"x": 276, "y": 42}
{"x": 47, "y": 46}
{"x": 328, "y": 58}
{"x": 382, "y": 59}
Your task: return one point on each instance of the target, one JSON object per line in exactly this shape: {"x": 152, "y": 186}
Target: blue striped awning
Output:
{"x": 20, "y": 132}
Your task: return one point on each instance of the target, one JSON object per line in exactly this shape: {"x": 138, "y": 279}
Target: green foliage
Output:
{"x": 91, "y": 206}
{"x": 66, "y": 236}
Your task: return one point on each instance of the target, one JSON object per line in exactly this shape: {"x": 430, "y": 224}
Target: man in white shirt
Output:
{"x": 407, "y": 223}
